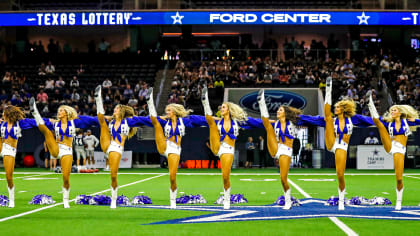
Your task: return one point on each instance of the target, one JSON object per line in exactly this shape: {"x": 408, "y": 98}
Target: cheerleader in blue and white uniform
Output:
{"x": 280, "y": 135}
{"x": 168, "y": 138}
{"x": 223, "y": 135}
{"x": 394, "y": 129}
{"x": 338, "y": 131}
{"x": 60, "y": 146}
{"x": 11, "y": 126}
{"x": 115, "y": 131}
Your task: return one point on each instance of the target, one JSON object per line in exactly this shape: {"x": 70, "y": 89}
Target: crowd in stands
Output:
{"x": 351, "y": 78}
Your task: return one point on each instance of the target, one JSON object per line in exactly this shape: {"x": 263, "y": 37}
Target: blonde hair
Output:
{"x": 407, "y": 112}
{"x": 179, "y": 110}
{"x": 13, "y": 114}
{"x": 71, "y": 112}
{"x": 126, "y": 112}
{"x": 348, "y": 106}
{"x": 292, "y": 114}
{"x": 236, "y": 112}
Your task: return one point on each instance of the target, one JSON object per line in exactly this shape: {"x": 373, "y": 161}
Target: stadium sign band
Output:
{"x": 310, "y": 208}
{"x": 210, "y": 18}
{"x": 274, "y": 99}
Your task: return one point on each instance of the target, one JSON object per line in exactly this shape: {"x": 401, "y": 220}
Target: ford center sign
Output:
{"x": 274, "y": 99}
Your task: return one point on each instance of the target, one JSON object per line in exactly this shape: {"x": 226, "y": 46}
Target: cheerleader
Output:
{"x": 60, "y": 146}
{"x": 12, "y": 123}
{"x": 223, "y": 135}
{"x": 122, "y": 127}
{"x": 394, "y": 129}
{"x": 280, "y": 135}
{"x": 338, "y": 131}
{"x": 168, "y": 138}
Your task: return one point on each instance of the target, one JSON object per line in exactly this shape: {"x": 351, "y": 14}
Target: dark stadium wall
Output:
{"x": 79, "y": 36}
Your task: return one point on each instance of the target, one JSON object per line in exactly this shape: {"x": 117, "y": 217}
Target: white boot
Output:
{"x": 287, "y": 200}
{"x": 328, "y": 91}
{"x": 151, "y": 103}
{"x": 372, "y": 109}
{"x": 205, "y": 102}
{"x": 114, "y": 196}
{"x": 35, "y": 113}
{"x": 262, "y": 105}
{"x": 11, "y": 196}
{"x": 172, "y": 198}
{"x": 399, "y": 199}
{"x": 66, "y": 193}
{"x": 226, "y": 199}
{"x": 341, "y": 199}
{"x": 98, "y": 98}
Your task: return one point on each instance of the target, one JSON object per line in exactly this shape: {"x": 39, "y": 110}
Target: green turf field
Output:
{"x": 260, "y": 186}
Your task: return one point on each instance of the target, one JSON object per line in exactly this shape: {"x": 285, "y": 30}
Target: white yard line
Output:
{"x": 411, "y": 177}
{"x": 57, "y": 204}
{"x": 335, "y": 220}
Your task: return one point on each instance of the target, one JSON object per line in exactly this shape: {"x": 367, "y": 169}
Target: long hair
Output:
{"x": 292, "y": 114}
{"x": 126, "y": 112}
{"x": 348, "y": 106}
{"x": 13, "y": 113}
{"x": 71, "y": 112}
{"x": 236, "y": 112}
{"x": 407, "y": 112}
{"x": 179, "y": 110}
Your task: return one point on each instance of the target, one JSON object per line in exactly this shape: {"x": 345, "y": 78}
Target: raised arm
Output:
{"x": 413, "y": 122}
{"x": 137, "y": 121}
{"x": 251, "y": 123}
{"x": 194, "y": 121}
{"x": 362, "y": 121}
{"x": 305, "y": 120}
{"x": 84, "y": 122}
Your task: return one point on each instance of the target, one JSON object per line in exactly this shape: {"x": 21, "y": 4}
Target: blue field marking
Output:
{"x": 310, "y": 208}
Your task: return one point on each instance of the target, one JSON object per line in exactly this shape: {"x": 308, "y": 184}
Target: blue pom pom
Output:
{"x": 83, "y": 199}
{"x": 140, "y": 200}
{"x": 332, "y": 201}
{"x": 234, "y": 199}
{"x": 42, "y": 199}
{"x": 123, "y": 200}
{"x": 4, "y": 201}
{"x": 281, "y": 201}
{"x": 379, "y": 201}
{"x": 191, "y": 199}
{"x": 102, "y": 200}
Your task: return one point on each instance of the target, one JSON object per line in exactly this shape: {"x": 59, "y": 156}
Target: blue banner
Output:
{"x": 209, "y": 18}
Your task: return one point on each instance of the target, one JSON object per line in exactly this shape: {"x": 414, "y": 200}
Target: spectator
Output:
{"x": 49, "y": 84}
{"x": 74, "y": 83}
{"x": 249, "y": 153}
{"x": 42, "y": 70}
{"x": 128, "y": 92}
{"x": 60, "y": 83}
{"x": 371, "y": 139}
{"x": 309, "y": 78}
{"x": 50, "y": 68}
{"x": 103, "y": 46}
{"x": 75, "y": 97}
{"x": 42, "y": 97}
{"x": 132, "y": 101}
{"x": 80, "y": 70}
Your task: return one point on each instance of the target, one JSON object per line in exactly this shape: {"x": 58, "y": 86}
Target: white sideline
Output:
{"x": 411, "y": 177}
{"x": 57, "y": 204}
{"x": 335, "y": 220}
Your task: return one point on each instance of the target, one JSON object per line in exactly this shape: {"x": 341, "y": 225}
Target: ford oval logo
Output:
{"x": 274, "y": 99}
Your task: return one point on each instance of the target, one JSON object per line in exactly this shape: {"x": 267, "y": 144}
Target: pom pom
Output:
{"x": 140, "y": 200}
{"x": 358, "y": 201}
{"x": 42, "y": 199}
{"x": 234, "y": 199}
{"x": 123, "y": 200}
{"x": 4, "y": 201}
{"x": 83, "y": 199}
{"x": 379, "y": 201}
{"x": 332, "y": 201}
{"x": 281, "y": 201}
{"x": 191, "y": 199}
{"x": 100, "y": 200}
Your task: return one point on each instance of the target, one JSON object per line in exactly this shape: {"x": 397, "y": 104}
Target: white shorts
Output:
{"x": 90, "y": 153}
{"x": 283, "y": 150}
{"x": 173, "y": 148}
{"x": 64, "y": 150}
{"x": 225, "y": 149}
{"x": 397, "y": 148}
{"x": 80, "y": 153}
{"x": 8, "y": 150}
{"x": 343, "y": 145}
{"x": 115, "y": 147}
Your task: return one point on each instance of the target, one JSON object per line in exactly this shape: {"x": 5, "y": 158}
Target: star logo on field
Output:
{"x": 177, "y": 18}
{"x": 375, "y": 152}
{"x": 363, "y": 18}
